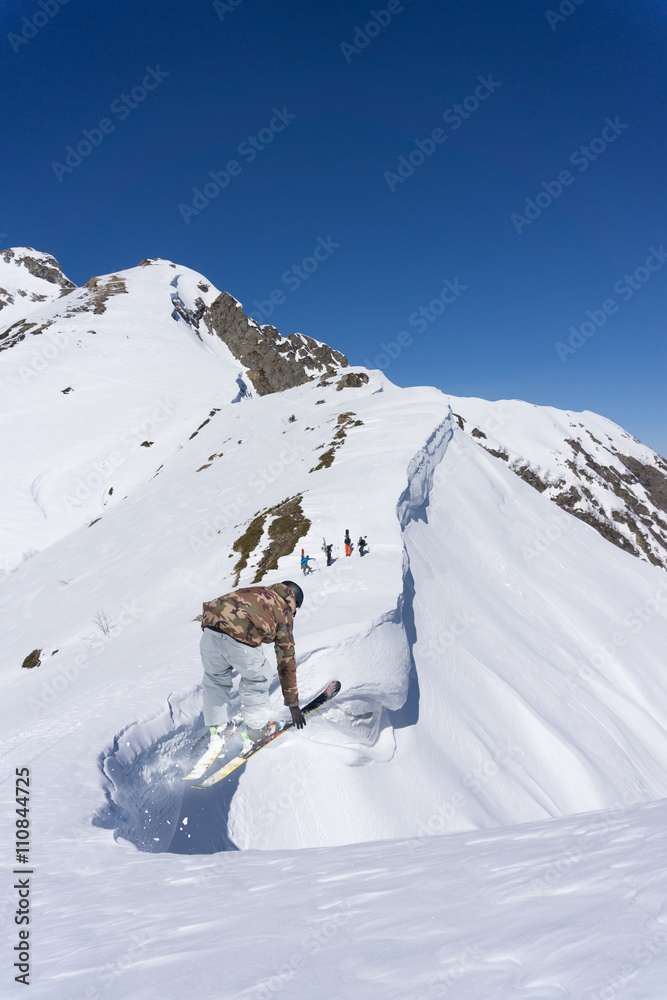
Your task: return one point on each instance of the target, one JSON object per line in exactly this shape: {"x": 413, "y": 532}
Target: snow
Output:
{"x": 22, "y": 294}
{"x": 479, "y": 813}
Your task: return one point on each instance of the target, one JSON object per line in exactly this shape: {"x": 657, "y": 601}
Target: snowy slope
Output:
{"x": 585, "y": 463}
{"x": 572, "y": 908}
{"x": 28, "y": 279}
{"x": 98, "y": 408}
{"x": 501, "y": 663}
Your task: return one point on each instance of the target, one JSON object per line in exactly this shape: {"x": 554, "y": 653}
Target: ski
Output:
{"x": 210, "y": 755}
{"x": 330, "y": 691}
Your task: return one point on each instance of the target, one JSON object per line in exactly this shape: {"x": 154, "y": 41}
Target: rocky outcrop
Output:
{"x": 42, "y": 265}
{"x": 273, "y": 362}
{"x": 584, "y": 463}
{"x": 353, "y": 380}
{"x": 17, "y": 332}
{"x": 99, "y": 291}
{"x": 623, "y": 498}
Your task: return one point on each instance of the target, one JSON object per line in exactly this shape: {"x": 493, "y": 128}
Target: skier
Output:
{"x": 234, "y": 627}
{"x": 362, "y": 545}
{"x": 329, "y": 555}
{"x": 304, "y": 563}
{"x": 348, "y": 543}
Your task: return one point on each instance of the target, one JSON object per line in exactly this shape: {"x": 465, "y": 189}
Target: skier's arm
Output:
{"x": 284, "y": 646}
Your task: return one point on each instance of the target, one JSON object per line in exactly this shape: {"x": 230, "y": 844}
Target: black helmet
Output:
{"x": 296, "y": 590}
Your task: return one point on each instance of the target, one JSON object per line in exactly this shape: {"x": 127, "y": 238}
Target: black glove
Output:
{"x": 297, "y": 716}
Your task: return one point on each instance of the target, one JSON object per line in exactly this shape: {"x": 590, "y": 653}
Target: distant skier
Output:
{"x": 234, "y": 628}
{"x": 305, "y": 568}
{"x": 362, "y": 545}
{"x": 348, "y": 543}
{"x": 328, "y": 549}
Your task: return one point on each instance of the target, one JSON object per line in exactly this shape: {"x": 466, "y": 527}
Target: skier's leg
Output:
{"x": 255, "y": 673}
{"x": 217, "y": 679}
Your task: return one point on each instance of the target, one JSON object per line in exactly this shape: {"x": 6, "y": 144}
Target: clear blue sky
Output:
{"x": 201, "y": 78}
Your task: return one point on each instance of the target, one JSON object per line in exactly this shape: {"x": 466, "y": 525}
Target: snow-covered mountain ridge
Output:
{"x": 27, "y": 278}
{"x": 584, "y": 463}
{"x": 501, "y": 663}
{"x": 272, "y": 362}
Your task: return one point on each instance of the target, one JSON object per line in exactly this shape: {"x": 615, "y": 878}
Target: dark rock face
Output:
{"x": 45, "y": 267}
{"x": 273, "y": 362}
{"x": 651, "y": 478}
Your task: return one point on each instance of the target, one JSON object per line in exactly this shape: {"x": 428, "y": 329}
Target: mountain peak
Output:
{"x": 155, "y": 291}
{"x": 40, "y": 265}
{"x": 273, "y": 362}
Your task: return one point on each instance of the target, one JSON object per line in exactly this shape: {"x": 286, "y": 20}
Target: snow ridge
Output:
{"x": 413, "y": 501}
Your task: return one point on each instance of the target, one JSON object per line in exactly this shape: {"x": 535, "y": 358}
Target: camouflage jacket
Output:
{"x": 254, "y": 615}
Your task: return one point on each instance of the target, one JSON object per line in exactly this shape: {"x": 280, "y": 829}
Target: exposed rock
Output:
{"x": 43, "y": 266}
{"x": 273, "y": 362}
{"x": 496, "y": 453}
{"x": 652, "y": 478}
{"x": 100, "y": 291}
{"x": 17, "y": 332}
{"x": 530, "y": 477}
{"x": 353, "y": 380}
{"x": 32, "y": 659}
{"x": 605, "y": 528}
{"x": 636, "y": 525}
{"x": 343, "y": 423}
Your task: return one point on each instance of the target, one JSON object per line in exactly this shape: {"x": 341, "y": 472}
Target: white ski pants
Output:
{"x": 221, "y": 655}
